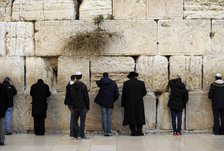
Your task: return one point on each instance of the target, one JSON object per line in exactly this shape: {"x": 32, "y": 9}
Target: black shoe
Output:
{"x": 8, "y": 133}
{"x": 84, "y": 137}
{"x": 140, "y": 134}
{"x": 2, "y": 143}
{"x": 133, "y": 134}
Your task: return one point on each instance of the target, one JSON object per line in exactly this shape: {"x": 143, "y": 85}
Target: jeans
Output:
{"x": 2, "y": 130}
{"x": 106, "y": 120}
{"x": 216, "y": 114}
{"x": 177, "y": 114}
{"x": 71, "y": 120}
{"x": 8, "y": 117}
{"x": 79, "y": 113}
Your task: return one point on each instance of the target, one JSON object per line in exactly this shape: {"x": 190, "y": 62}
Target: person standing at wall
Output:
{"x": 177, "y": 102}
{"x": 68, "y": 102}
{"x": 39, "y": 92}
{"x": 106, "y": 97}
{"x": 216, "y": 94}
{"x": 11, "y": 92}
{"x": 80, "y": 103}
{"x": 3, "y": 108}
{"x": 132, "y": 100}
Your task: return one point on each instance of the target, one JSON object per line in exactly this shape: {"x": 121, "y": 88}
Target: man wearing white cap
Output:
{"x": 216, "y": 94}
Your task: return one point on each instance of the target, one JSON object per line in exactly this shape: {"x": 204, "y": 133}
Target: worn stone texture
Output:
{"x": 2, "y": 38}
{"x": 13, "y": 67}
{"x": 132, "y": 10}
{"x": 204, "y": 9}
{"x": 117, "y": 67}
{"x": 217, "y": 37}
{"x": 211, "y": 65}
{"x": 183, "y": 37}
{"x": 5, "y": 10}
{"x": 68, "y": 66}
{"x": 43, "y": 10}
{"x": 38, "y": 68}
{"x": 199, "y": 112}
{"x": 165, "y": 9}
{"x": 92, "y": 8}
{"x": 53, "y": 36}
{"x": 189, "y": 68}
{"x": 153, "y": 71}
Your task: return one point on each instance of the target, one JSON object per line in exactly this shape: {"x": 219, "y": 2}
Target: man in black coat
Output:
{"x": 177, "y": 102}
{"x": 39, "y": 92}
{"x": 216, "y": 94}
{"x": 11, "y": 92}
{"x": 80, "y": 103}
{"x": 132, "y": 100}
{"x": 3, "y": 108}
{"x": 106, "y": 97}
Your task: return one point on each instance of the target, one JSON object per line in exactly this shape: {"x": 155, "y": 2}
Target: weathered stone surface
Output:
{"x": 217, "y": 37}
{"x": 38, "y": 68}
{"x": 190, "y": 37}
{"x": 69, "y": 66}
{"x": 189, "y": 68}
{"x": 92, "y": 8}
{"x": 2, "y": 38}
{"x": 117, "y": 67}
{"x": 165, "y": 9}
{"x": 211, "y": 65}
{"x": 52, "y": 37}
{"x": 205, "y": 9}
{"x": 5, "y": 10}
{"x": 199, "y": 112}
{"x": 125, "y": 9}
{"x": 13, "y": 67}
{"x": 43, "y": 10}
{"x": 153, "y": 71}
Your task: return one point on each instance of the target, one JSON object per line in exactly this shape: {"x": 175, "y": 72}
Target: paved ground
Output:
{"x": 187, "y": 142}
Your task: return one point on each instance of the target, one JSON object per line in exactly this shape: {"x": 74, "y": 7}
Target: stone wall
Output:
{"x": 160, "y": 39}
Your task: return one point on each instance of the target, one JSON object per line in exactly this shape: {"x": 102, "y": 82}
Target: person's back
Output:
{"x": 3, "y": 108}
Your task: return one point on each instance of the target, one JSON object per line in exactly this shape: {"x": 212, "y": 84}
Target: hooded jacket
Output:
{"x": 79, "y": 95}
{"x": 108, "y": 92}
{"x": 67, "y": 100}
{"x": 178, "y": 96}
{"x": 11, "y": 91}
{"x": 216, "y": 94}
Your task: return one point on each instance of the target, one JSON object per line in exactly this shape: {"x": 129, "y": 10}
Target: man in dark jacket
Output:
{"x": 216, "y": 94}
{"x": 80, "y": 103}
{"x": 3, "y": 108}
{"x": 177, "y": 102}
{"x": 132, "y": 100}
{"x": 106, "y": 97}
{"x": 39, "y": 92}
{"x": 11, "y": 92}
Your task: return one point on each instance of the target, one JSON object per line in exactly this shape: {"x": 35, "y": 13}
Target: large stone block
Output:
{"x": 68, "y": 66}
{"x": 190, "y": 37}
{"x": 153, "y": 71}
{"x": 211, "y": 66}
{"x": 217, "y": 37}
{"x": 189, "y": 68}
{"x": 13, "y": 67}
{"x": 2, "y": 38}
{"x": 117, "y": 67}
{"x": 165, "y": 9}
{"x": 125, "y": 9}
{"x": 5, "y": 10}
{"x": 199, "y": 112}
{"x": 206, "y": 9}
{"x": 52, "y": 37}
{"x": 92, "y": 8}
{"x": 38, "y": 68}
{"x": 43, "y": 10}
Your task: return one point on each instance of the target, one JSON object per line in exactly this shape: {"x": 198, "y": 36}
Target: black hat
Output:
{"x": 133, "y": 73}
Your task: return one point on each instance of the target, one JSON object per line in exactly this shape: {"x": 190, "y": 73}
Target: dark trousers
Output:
{"x": 39, "y": 125}
{"x": 177, "y": 114}
{"x": 218, "y": 114}
{"x": 136, "y": 129}
{"x": 71, "y": 120}
{"x": 79, "y": 113}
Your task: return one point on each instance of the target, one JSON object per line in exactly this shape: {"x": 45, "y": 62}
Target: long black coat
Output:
{"x": 108, "y": 92}
{"x": 216, "y": 93}
{"x": 178, "y": 96}
{"x": 39, "y": 92}
{"x": 3, "y": 101}
{"x": 132, "y": 100}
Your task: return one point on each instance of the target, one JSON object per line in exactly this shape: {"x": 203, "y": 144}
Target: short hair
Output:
{"x": 105, "y": 74}
{"x": 78, "y": 77}
{"x": 72, "y": 77}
